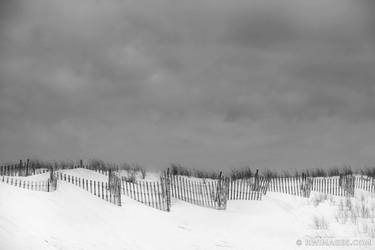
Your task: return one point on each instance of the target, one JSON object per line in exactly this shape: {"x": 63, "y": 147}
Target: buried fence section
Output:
{"x": 203, "y": 192}
{"x": 49, "y": 185}
{"x": 299, "y": 186}
{"x": 336, "y": 185}
{"x": 100, "y": 189}
{"x": 365, "y": 183}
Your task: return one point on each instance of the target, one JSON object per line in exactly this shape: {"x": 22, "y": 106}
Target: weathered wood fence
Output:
{"x": 212, "y": 193}
{"x": 298, "y": 186}
{"x": 151, "y": 193}
{"x": 203, "y": 192}
{"x": 49, "y": 185}
{"x": 21, "y": 169}
{"x": 248, "y": 189}
{"x": 365, "y": 183}
{"x": 97, "y": 188}
{"x": 335, "y": 185}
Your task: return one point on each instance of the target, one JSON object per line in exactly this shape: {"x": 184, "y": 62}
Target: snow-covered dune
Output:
{"x": 71, "y": 218}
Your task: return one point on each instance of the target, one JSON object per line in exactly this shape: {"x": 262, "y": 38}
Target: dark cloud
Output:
{"x": 206, "y": 83}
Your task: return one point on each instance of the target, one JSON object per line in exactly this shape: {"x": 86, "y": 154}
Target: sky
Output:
{"x": 209, "y": 84}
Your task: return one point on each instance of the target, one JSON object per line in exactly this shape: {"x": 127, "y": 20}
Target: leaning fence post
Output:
{"x": 256, "y": 180}
{"x": 119, "y": 192}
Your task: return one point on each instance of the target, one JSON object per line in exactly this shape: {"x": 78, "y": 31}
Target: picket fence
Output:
{"x": 150, "y": 193}
{"x": 291, "y": 185}
{"x": 97, "y": 188}
{"x": 365, "y": 183}
{"x": 247, "y": 189}
{"x": 49, "y": 185}
{"x": 334, "y": 186}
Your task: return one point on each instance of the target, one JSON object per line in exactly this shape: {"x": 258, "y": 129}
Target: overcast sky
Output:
{"x": 208, "y": 84}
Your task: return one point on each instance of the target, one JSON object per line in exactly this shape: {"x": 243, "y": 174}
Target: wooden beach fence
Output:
{"x": 49, "y": 185}
{"x": 297, "y": 186}
{"x": 21, "y": 169}
{"x": 335, "y": 185}
{"x": 154, "y": 194}
{"x": 365, "y": 183}
{"x": 247, "y": 189}
{"x": 150, "y": 193}
{"x": 97, "y": 188}
{"x": 203, "y": 192}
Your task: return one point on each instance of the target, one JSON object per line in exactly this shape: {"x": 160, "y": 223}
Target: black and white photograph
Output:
{"x": 187, "y": 124}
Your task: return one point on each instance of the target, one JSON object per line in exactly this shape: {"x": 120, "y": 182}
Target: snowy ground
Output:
{"x": 73, "y": 219}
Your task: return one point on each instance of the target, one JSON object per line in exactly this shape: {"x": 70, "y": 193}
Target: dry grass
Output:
{"x": 177, "y": 169}
{"x": 320, "y": 223}
{"x": 319, "y": 198}
{"x": 359, "y": 211}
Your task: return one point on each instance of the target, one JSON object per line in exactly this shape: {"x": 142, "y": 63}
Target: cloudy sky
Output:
{"x": 206, "y": 83}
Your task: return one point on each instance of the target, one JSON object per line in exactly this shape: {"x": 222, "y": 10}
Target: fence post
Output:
{"x": 118, "y": 192}
{"x": 20, "y": 168}
{"x": 220, "y": 193}
{"x": 256, "y": 180}
{"x": 168, "y": 190}
{"x": 27, "y": 167}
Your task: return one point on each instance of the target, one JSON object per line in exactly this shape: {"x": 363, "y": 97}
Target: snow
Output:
{"x": 73, "y": 219}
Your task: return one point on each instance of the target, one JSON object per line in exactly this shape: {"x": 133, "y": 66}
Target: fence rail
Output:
{"x": 97, "y": 188}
